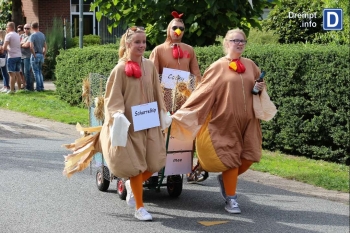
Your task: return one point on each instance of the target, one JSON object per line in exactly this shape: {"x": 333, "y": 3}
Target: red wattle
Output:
{"x": 132, "y": 69}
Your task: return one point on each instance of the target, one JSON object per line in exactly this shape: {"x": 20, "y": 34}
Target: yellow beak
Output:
{"x": 178, "y": 31}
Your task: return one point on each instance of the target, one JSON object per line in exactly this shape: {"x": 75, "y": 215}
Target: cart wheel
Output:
{"x": 101, "y": 181}
{"x": 174, "y": 185}
{"x": 121, "y": 190}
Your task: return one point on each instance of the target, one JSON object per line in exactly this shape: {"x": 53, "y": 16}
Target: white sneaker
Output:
{"x": 130, "y": 200}
{"x": 4, "y": 90}
{"x": 143, "y": 215}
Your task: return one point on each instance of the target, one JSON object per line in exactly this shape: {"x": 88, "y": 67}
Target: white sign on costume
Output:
{"x": 171, "y": 77}
{"x": 145, "y": 116}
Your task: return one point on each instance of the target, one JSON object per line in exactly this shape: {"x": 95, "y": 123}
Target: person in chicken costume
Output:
{"x": 221, "y": 115}
{"x": 177, "y": 55}
{"x": 129, "y": 152}
{"x": 173, "y": 53}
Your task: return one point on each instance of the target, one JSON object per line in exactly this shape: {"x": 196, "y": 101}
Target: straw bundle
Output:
{"x": 99, "y": 104}
{"x": 86, "y": 92}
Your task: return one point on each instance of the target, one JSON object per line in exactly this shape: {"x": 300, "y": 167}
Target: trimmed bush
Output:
{"x": 207, "y": 55}
{"x": 88, "y": 40}
{"x": 309, "y": 85}
{"x": 73, "y": 65}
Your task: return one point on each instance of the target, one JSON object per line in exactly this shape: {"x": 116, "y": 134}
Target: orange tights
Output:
{"x": 136, "y": 183}
{"x": 230, "y": 177}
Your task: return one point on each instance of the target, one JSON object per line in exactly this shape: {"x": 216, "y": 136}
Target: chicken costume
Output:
{"x": 172, "y": 55}
{"x": 219, "y": 113}
{"x": 145, "y": 149}
{"x": 162, "y": 57}
{"x": 178, "y": 56}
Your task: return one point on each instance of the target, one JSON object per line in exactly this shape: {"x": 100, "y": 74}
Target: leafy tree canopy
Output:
{"x": 292, "y": 29}
{"x": 336, "y": 37}
{"x": 5, "y": 13}
{"x": 204, "y": 19}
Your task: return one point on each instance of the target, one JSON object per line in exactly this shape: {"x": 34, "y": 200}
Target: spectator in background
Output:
{"x": 4, "y": 73}
{"x": 38, "y": 49}
{"x": 25, "y": 64}
{"x": 13, "y": 46}
{"x": 20, "y": 32}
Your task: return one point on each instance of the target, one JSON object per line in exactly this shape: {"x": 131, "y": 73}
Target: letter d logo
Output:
{"x": 333, "y": 19}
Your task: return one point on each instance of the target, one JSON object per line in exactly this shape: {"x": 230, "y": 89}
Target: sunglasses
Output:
{"x": 238, "y": 41}
{"x": 27, "y": 28}
{"x": 176, "y": 27}
{"x": 134, "y": 29}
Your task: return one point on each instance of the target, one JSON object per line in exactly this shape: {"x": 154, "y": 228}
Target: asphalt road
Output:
{"x": 36, "y": 197}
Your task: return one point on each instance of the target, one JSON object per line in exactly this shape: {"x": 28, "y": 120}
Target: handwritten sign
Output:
{"x": 145, "y": 116}
{"x": 171, "y": 77}
{"x": 181, "y": 161}
{"x": 178, "y": 163}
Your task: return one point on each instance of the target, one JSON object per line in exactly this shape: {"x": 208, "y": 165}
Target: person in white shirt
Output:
{"x": 13, "y": 46}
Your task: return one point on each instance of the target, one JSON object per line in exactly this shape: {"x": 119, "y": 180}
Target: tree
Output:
{"x": 283, "y": 19}
{"x": 17, "y": 12}
{"x": 204, "y": 19}
{"x": 11, "y": 10}
{"x": 5, "y": 12}
{"x": 336, "y": 37}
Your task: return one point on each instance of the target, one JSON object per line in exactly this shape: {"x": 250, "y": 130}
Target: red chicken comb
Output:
{"x": 176, "y": 15}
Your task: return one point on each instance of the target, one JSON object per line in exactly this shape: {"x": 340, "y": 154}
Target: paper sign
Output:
{"x": 171, "y": 77}
{"x": 178, "y": 145}
{"x": 178, "y": 163}
{"x": 179, "y": 157}
{"x": 145, "y": 116}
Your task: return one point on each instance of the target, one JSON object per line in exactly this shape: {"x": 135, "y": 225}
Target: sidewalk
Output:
{"x": 49, "y": 85}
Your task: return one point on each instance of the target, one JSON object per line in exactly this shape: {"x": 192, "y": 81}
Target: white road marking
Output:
{"x": 8, "y": 128}
{"x": 38, "y": 126}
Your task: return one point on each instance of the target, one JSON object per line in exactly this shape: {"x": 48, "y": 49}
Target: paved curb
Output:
{"x": 49, "y": 85}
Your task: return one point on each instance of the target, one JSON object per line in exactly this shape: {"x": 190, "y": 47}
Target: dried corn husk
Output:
{"x": 99, "y": 104}
{"x": 86, "y": 92}
{"x": 183, "y": 89}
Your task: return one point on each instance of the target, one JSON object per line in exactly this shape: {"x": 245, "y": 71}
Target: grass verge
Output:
{"x": 44, "y": 105}
{"x": 323, "y": 174}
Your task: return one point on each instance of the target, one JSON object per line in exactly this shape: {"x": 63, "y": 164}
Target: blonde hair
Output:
{"x": 2, "y": 35}
{"x": 11, "y": 25}
{"x": 126, "y": 39}
{"x": 168, "y": 36}
{"x": 228, "y": 34}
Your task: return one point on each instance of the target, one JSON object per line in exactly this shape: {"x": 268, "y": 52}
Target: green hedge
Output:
{"x": 88, "y": 40}
{"x": 308, "y": 84}
{"x": 73, "y": 65}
